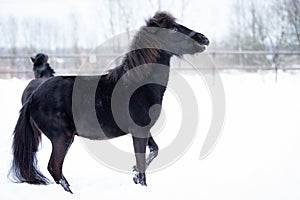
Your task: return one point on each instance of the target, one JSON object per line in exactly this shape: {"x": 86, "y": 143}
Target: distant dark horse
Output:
{"x": 42, "y": 71}
{"x": 50, "y": 110}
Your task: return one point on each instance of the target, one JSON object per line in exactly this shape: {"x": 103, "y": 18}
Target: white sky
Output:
{"x": 210, "y": 17}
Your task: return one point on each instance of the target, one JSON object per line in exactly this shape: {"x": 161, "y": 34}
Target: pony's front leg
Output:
{"x": 139, "y": 145}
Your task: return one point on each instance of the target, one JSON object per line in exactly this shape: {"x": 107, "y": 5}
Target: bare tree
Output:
{"x": 128, "y": 18}
{"x": 264, "y": 25}
{"x": 238, "y": 29}
{"x": 112, "y": 14}
{"x": 74, "y": 31}
{"x": 11, "y": 29}
{"x": 279, "y": 24}
{"x": 293, "y": 9}
{"x": 184, "y": 5}
{"x": 2, "y": 32}
{"x": 156, "y": 4}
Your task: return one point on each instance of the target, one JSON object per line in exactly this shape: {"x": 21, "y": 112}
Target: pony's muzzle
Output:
{"x": 202, "y": 39}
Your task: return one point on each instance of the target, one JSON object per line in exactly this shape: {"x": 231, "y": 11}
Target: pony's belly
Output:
{"x": 93, "y": 135}
{"x": 97, "y": 131}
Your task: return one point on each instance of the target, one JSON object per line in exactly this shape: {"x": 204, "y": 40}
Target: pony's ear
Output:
{"x": 31, "y": 59}
{"x": 152, "y": 22}
{"x": 152, "y": 25}
{"x": 47, "y": 58}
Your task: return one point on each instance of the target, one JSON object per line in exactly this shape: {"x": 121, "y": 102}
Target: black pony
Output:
{"x": 50, "y": 108}
{"x": 42, "y": 71}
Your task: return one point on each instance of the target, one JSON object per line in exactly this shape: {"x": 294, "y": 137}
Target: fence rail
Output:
{"x": 16, "y": 65}
{"x": 212, "y": 53}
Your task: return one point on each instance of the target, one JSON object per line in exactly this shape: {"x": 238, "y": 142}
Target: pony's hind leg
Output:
{"x": 60, "y": 146}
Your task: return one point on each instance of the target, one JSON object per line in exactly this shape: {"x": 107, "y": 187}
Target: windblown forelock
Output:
{"x": 162, "y": 20}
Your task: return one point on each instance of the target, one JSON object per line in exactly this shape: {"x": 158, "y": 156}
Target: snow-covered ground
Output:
{"x": 257, "y": 156}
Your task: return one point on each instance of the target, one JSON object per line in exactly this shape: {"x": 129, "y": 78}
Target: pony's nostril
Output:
{"x": 203, "y": 39}
{"x": 206, "y": 41}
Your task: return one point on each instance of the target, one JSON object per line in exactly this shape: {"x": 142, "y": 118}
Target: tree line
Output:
{"x": 272, "y": 25}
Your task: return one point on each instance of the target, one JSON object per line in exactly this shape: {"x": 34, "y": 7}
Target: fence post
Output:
{"x": 276, "y": 63}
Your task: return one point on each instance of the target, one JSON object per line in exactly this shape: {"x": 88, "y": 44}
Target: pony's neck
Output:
{"x": 160, "y": 73}
{"x": 157, "y": 69}
{"x": 164, "y": 58}
{"x": 143, "y": 66}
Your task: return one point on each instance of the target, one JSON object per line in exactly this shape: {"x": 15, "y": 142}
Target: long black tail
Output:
{"x": 26, "y": 140}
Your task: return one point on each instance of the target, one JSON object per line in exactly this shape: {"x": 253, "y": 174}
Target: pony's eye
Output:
{"x": 173, "y": 29}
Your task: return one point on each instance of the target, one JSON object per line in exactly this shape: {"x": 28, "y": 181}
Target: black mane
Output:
{"x": 48, "y": 72}
{"x": 144, "y": 49}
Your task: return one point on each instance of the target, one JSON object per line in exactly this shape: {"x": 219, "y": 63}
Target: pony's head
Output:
{"x": 175, "y": 37}
{"x": 161, "y": 38}
{"x": 41, "y": 68}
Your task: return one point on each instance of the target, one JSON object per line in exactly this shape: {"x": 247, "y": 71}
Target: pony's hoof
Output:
{"x": 140, "y": 178}
{"x": 65, "y": 185}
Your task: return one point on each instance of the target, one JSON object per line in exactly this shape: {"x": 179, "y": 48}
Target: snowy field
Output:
{"x": 257, "y": 156}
